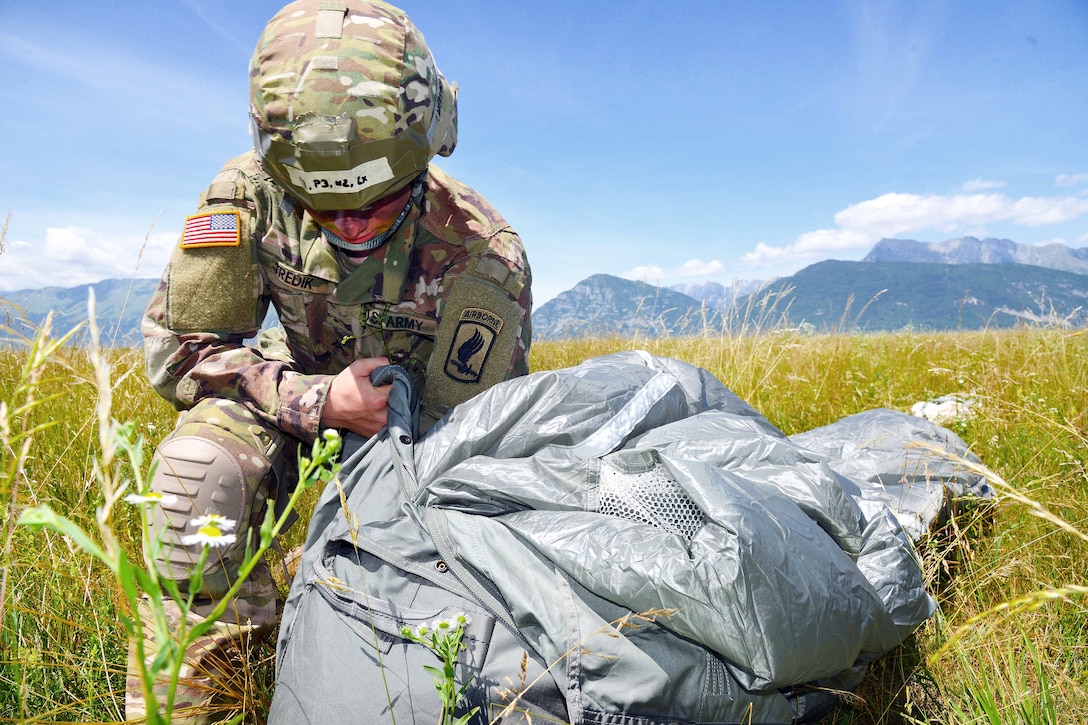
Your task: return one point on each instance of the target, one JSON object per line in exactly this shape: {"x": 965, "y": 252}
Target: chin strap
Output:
{"x": 374, "y": 242}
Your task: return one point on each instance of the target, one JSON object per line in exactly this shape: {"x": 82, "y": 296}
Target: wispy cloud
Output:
{"x": 860, "y": 225}
{"x": 1067, "y": 180}
{"x": 82, "y": 256}
{"x": 220, "y": 25}
{"x": 981, "y": 185}
{"x": 687, "y": 270}
{"x": 127, "y": 85}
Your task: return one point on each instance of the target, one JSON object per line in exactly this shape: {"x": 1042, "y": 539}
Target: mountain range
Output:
{"x": 119, "y": 305}
{"x": 964, "y": 283}
{"x": 970, "y": 250}
{"x": 871, "y": 296}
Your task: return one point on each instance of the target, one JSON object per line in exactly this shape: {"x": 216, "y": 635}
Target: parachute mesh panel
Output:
{"x": 651, "y": 496}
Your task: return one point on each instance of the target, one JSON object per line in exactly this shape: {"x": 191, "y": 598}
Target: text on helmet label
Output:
{"x": 366, "y": 174}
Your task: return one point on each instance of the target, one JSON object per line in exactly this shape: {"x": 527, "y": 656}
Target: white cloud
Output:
{"x": 687, "y": 270}
{"x": 861, "y": 225}
{"x": 70, "y": 256}
{"x": 825, "y": 240}
{"x": 1067, "y": 180}
{"x": 1037, "y": 212}
{"x": 644, "y": 272}
{"x": 981, "y": 185}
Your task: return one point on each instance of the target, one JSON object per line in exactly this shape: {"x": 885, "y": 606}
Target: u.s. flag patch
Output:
{"x": 212, "y": 229}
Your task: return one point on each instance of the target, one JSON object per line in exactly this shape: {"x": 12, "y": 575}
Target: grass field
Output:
{"x": 1009, "y": 645}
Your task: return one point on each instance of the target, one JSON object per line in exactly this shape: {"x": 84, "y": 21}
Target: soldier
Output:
{"x": 368, "y": 253}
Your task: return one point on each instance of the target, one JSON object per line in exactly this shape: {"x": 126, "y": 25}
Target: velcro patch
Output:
{"x": 474, "y": 347}
{"x": 212, "y": 229}
{"x": 476, "y": 331}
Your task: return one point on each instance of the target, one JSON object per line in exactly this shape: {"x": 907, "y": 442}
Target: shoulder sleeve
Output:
{"x": 484, "y": 327}
{"x": 210, "y": 300}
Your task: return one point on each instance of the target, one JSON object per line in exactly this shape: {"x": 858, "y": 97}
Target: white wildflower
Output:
{"x": 163, "y": 499}
{"x": 211, "y": 530}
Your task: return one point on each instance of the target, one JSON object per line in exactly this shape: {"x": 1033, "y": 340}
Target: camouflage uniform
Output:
{"x": 447, "y": 297}
{"x": 348, "y": 109}
{"x": 210, "y": 299}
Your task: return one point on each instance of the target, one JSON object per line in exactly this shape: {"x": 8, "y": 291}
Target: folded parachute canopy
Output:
{"x": 551, "y": 505}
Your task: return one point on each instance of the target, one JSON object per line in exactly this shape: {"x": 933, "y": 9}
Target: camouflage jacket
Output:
{"x": 448, "y": 297}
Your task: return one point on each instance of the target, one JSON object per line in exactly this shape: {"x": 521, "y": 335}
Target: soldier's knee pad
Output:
{"x": 205, "y": 477}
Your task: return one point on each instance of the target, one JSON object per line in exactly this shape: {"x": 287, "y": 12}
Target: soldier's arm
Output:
{"x": 353, "y": 403}
{"x": 187, "y": 366}
{"x": 209, "y": 301}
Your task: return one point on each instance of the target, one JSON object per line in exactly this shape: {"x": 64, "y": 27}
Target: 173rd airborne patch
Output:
{"x": 472, "y": 343}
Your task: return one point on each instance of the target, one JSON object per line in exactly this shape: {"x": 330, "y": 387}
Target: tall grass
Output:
{"x": 1010, "y": 643}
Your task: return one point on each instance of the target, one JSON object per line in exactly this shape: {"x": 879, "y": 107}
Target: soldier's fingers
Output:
{"x": 365, "y": 366}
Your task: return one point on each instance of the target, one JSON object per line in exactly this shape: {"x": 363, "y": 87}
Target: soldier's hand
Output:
{"x": 353, "y": 403}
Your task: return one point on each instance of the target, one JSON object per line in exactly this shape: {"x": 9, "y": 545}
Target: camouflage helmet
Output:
{"x": 347, "y": 104}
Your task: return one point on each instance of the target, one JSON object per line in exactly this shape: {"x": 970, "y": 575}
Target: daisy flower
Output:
{"x": 163, "y": 499}
{"x": 211, "y": 530}
{"x": 449, "y": 624}
{"x": 443, "y": 626}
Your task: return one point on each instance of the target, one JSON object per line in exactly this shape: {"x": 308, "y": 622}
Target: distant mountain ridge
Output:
{"x": 964, "y": 283}
{"x": 604, "y": 305}
{"x": 716, "y": 295}
{"x": 119, "y": 306}
{"x": 835, "y": 295}
{"x": 830, "y": 296}
{"x": 971, "y": 250}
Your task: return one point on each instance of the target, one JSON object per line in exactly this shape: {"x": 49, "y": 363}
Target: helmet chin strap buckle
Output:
{"x": 366, "y": 246}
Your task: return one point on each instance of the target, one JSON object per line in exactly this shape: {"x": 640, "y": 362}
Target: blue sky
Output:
{"x": 672, "y": 142}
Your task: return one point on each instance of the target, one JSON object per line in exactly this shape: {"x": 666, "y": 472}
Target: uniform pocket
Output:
{"x": 375, "y": 600}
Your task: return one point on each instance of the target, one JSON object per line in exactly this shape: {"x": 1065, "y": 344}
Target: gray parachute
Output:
{"x": 552, "y": 505}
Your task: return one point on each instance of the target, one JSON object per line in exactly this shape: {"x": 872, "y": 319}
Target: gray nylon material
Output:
{"x": 796, "y": 573}
{"x": 867, "y": 448}
{"x": 608, "y": 437}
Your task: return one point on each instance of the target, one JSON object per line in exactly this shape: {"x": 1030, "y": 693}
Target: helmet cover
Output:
{"x": 347, "y": 104}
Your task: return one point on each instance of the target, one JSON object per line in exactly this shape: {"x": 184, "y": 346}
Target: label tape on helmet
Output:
{"x": 351, "y": 181}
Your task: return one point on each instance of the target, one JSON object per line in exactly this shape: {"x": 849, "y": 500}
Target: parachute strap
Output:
{"x": 609, "y": 436}
{"x": 330, "y": 19}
